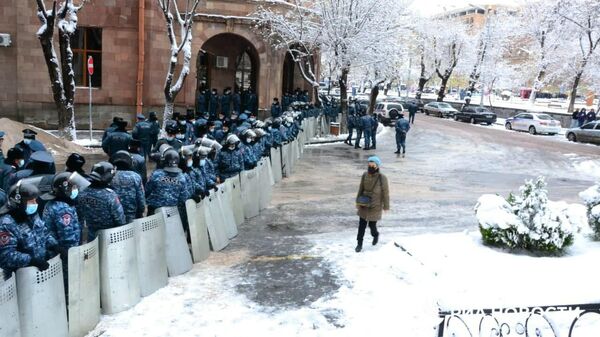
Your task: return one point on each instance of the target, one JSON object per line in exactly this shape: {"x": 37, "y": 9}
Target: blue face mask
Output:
{"x": 170, "y": 138}
{"x": 202, "y": 162}
{"x": 27, "y": 141}
{"x": 31, "y": 209}
{"x": 21, "y": 162}
{"x": 190, "y": 163}
{"x": 74, "y": 193}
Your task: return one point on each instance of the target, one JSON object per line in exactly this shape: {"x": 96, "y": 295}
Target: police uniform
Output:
{"x": 229, "y": 163}
{"x": 62, "y": 221}
{"x": 100, "y": 208}
{"x": 209, "y": 173}
{"x": 22, "y": 242}
{"x": 116, "y": 141}
{"x": 139, "y": 166}
{"x": 248, "y": 156}
{"x": 29, "y": 145}
{"x": 129, "y": 188}
{"x": 175, "y": 143}
{"x": 143, "y": 132}
{"x": 165, "y": 189}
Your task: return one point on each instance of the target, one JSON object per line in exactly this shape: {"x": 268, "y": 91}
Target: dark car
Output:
{"x": 588, "y": 133}
{"x": 475, "y": 115}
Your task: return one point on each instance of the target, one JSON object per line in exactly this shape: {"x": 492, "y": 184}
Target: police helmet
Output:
{"x": 259, "y": 132}
{"x": 186, "y": 151}
{"x": 277, "y": 122}
{"x": 232, "y": 139}
{"x": 248, "y": 133}
{"x": 102, "y": 172}
{"x": 122, "y": 160}
{"x": 75, "y": 162}
{"x": 170, "y": 161}
{"x": 203, "y": 151}
{"x": 171, "y": 127}
{"x": 62, "y": 185}
{"x": 18, "y": 195}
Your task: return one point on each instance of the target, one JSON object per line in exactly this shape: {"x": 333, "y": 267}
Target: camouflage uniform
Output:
{"x": 166, "y": 189}
{"x": 229, "y": 163}
{"x": 277, "y": 137}
{"x": 129, "y": 188}
{"x": 199, "y": 181}
{"x": 22, "y": 242}
{"x": 139, "y": 166}
{"x": 209, "y": 173}
{"x": 248, "y": 155}
{"x": 62, "y": 221}
{"x": 101, "y": 209}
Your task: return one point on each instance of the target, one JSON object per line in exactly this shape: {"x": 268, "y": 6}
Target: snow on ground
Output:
{"x": 88, "y": 142}
{"x": 384, "y": 291}
{"x": 586, "y": 166}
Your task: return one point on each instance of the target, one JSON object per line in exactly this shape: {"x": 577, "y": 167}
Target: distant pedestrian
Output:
{"x": 372, "y": 198}
{"x": 367, "y": 125}
{"x": 412, "y": 111}
{"x": 582, "y": 117}
{"x": 374, "y": 127}
{"x": 591, "y": 116}
{"x": 350, "y": 122}
{"x": 575, "y": 118}
{"x": 402, "y": 128}
{"x": 358, "y": 124}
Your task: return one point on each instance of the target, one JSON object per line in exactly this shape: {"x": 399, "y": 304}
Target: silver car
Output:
{"x": 533, "y": 123}
{"x": 439, "y": 109}
{"x": 588, "y": 133}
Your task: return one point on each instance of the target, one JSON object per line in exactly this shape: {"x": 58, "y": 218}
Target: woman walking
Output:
{"x": 373, "y": 197}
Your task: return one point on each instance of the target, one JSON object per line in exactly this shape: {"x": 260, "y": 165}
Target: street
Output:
{"x": 285, "y": 265}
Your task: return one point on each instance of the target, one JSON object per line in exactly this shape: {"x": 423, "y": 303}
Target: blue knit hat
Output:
{"x": 374, "y": 159}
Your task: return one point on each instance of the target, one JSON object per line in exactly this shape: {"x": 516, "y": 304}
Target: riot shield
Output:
{"x": 151, "y": 252}
{"x": 236, "y": 199}
{"x": 84, "y": 288}
{"x": 224, "y": 199}
{"x": 249, "y": 190}
{"x": 266, "y": 188}
{"x": 119, "y": 281}
{"x": 276, "y": 164}
{"x": 285, "y": 160}
{"x": 198, "y": 231}
{"x": 9, "y": 308}
{"x": 179, "y": 259}
{"x": 214, "y": 223}
{"x": 41, "y": 297}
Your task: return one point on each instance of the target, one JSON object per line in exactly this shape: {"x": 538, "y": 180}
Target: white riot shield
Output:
{"x": 214, "y": 223}
{"x": 265, "y": 184}
{"x": 276, "y": 164}
{"x": 236, "y": 199}
{"x": 41, "y": 297}
{"x": 301, "y": 143}
{"x": 119, "y": 281}
{"x": 179, "y": 258}
{"x": 269, "y": 171}
{"x": 9, "y": 308}
{"x": 285, "y": 160}
{"x": 84, "y": 288}
{"x": 151, "y": 253}
{"x": 249, "y": 192}
{"x": 224, "y": 199}
{"x": 198, "y": 231}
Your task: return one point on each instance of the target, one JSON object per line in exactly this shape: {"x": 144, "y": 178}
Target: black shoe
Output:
{"x": 358, "y": 248}
{"x": 375, "y": 239}
{"x": 357, "y": 147}
{"x": 397, "y": 152}
{"x": 366, "y": 149}
{"x": 373, "y": 148}
{"x": 402, "y": 154}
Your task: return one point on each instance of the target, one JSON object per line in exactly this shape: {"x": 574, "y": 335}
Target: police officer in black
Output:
{"x": 117, "y": 140}
{"x": 143, "y": 131}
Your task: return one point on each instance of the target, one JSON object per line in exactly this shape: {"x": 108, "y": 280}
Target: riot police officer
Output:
{"x": 153, "y": 120}
{"x": 171, "y": 129}
{"x": 75, "y": 163}
{"x": 167, "y": 185}
{"x": 230, "y": 161}
{"x": 24, "y": 238}
{"x": 139, "y": 162}
{"x": 117, "y": 140}
{"x": 143, "y": 132}
{"x": 247, "y": 149}
{"x": 98, "y": 205}
{"x": 128, "y": 186}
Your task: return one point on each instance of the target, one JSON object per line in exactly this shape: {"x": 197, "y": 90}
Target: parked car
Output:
{"x": 587, "y": 133}
{"x": 475, "y": 115}
{"x": 506, "y": 95}
{"x": 388, "y": 112}
{"x": 534, "y": 123}
{"x": 439, "y": 109}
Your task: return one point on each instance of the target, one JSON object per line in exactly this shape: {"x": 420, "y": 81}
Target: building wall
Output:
{"x": 25, "y": 92}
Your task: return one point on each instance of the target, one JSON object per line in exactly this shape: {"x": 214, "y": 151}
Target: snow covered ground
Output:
{"x": 384, "y": 291}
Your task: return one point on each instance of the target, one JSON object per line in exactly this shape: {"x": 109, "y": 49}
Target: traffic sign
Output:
{"x": 90, "y": 65}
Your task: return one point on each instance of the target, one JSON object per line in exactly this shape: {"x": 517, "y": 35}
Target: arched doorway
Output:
{"x": 228, "y": 61}
{"x": 292, "y": 79}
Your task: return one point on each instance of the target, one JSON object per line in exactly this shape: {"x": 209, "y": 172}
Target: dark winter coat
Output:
{"x": 376, "y": 186}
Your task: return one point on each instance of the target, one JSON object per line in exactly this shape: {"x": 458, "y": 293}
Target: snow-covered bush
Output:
{"x": 526, "y": 221}
{"x": 591, "y": 197}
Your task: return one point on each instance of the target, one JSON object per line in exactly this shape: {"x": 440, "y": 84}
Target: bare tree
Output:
{"x": 62, "y": 76}
{"x": 185, "y": 19}
{"x": 448, "y": 48}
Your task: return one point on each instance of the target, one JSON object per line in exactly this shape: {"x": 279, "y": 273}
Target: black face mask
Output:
{"x": 372, "y": 170}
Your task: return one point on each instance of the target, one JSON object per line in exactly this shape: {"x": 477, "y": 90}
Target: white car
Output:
{"x": 439, "y": 109}
{"x": 388, "y": 112}
{"x": 533, "y": 123}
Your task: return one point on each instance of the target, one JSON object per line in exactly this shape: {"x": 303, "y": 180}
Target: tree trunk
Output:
{"x": 442, "y": 92}
{"x": 574, "y": 92}
{"x": 373, "y": 97}
{"x": 344, "y": 98}
{"x": 422, "y": 82}
{"x": 168, "y": 112}
{"x": 317, "y": 98}
{"x": 68, "y": 77}
{"x": 536, "y": 83}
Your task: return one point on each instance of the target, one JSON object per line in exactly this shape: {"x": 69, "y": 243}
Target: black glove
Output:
{"x": 216, "y": 188}
{"x": 64, "y": 252}
{"x": 40, "y": 264}
{"x": 197, "y": 198}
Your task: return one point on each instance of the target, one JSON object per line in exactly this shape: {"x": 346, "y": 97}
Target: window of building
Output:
{"x": 87, "y": 41}
{"x": 243, "y": 73}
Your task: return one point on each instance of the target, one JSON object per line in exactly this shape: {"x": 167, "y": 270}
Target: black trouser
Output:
{"x": 362, "y": 225}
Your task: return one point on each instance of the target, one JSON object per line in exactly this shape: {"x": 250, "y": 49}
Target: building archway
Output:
{"x": 228, "y": 60}
{"x": 292, "y": 76}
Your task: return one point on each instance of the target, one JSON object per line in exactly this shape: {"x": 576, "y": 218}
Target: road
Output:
{"x": 275, "y": 264}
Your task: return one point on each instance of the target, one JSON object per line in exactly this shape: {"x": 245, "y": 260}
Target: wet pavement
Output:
{"x": 434, "y": 189}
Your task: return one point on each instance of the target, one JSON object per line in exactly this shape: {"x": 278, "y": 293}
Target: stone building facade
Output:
{"x": 227, "y": 52}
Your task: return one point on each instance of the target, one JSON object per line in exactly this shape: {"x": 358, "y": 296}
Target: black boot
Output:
{"x": 373, "y": 147}
{"x": 397, "y": 152}
{"x": 366, "y": 148}
{"x": 358, "y": 247}
{"x": 375, "y": 239}
{"x": 356, "y": 146}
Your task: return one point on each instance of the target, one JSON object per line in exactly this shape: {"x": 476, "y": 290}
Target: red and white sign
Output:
{"x": 90, "y": 65}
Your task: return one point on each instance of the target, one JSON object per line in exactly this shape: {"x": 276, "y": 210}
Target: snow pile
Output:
{"x": 591, "y": 197}
{"x": 589, "y": 168}
{"x": 528, "y": 221}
